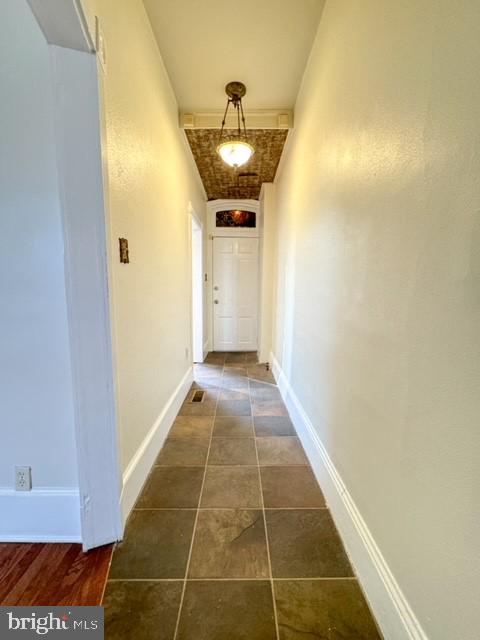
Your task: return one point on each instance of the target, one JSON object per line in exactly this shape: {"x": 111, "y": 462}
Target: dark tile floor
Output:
{"x": 231, "y": 538}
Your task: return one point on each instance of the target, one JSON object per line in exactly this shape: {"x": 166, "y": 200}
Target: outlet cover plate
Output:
{"x": 23, "y": 478}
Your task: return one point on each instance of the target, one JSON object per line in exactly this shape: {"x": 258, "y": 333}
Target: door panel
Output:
{"x": 235, "y": 294}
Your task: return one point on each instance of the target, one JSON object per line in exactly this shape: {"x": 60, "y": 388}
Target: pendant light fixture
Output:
{"x": 234, "y": 149}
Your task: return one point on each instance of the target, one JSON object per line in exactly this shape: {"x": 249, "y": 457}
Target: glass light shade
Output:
{"x": 235, "y": 152}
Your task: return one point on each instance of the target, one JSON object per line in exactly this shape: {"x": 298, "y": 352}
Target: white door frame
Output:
{"x": 196, "y": 286}
{"x": 83, "y": 195}
{"x": 212, "y": 207}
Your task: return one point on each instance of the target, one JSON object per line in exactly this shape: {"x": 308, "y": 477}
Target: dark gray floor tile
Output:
{"x": 234, "y": 382}
{"x": 212, "y": 385}
{"x": 266, "y": 426}
{"x": 183, "y": 451}
{"x": 192, "y": 427}
{"x": 156, "y": 545}
{"x": 227, "y": 611}
{"x": 280, "y": 451}
{"x": 234, "y": 394}
{"x": 229, "y": 544}
{"x": 141, "y": 610}
{"x": 304, "y": 543}
{"x": 235, "y": 369}
{"x": 232, "y": 487}
{"x": 233, "y": 427}
{"x": 333, "y": 609}
{"x": 172, "y": 488}
{"x": 236, "y": 357}
{"x": 234, "y": 408}
{"x": 232, "y": 451}
{"x": 215, "y": 357}
{"x": 208, "y": 370}
{"x": 268, "y": 408}
{"x": 263, "y": 391}
{"x": 259, "y": 372}
{"x": 290, "y": 487}
{"x": 205, "y": 408}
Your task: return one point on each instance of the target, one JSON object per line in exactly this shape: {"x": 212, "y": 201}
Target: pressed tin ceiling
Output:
{"x": 206, "y": 44}
{"x": 220, "y": 180}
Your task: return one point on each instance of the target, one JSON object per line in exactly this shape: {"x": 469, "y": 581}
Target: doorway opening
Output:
{"x": 197, "y": 289}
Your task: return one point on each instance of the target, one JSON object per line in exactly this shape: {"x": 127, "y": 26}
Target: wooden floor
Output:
{"x": 52, "y": 574}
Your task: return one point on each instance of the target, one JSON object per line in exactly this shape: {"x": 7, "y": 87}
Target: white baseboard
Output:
{"x": 40, "y": 515}
{"x": 139, "y": 466}
{"x": 389, "y": 605}
{"x": 206, "y": 349}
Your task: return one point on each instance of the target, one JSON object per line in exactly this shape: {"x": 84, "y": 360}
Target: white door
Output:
{"x": 235, "y": 294}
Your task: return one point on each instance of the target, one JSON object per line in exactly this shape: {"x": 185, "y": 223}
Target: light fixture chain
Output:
{"x": 223, "y": 121}
{"x": 243, "y": 121}
{"x": 238, "y": 117}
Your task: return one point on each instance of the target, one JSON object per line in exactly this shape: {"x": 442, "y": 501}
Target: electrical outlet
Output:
{"x": 187, "y": 353}
{"x": 23, "y": 478}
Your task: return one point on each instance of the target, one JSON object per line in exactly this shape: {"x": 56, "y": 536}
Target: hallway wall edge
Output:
{"x": 139, "y": 466}
{"x": 389, "y": 604}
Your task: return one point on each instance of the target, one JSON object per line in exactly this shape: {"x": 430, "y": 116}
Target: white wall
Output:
{"x": 267, "y": 223}
{"x": 378, "y": 278}
{"x": 151, "y": 183}
{"x": 36, "y": 423}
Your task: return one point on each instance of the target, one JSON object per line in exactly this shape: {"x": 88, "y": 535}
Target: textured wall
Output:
{"x": 151, "y": 183}
{"x": 36, "y": 423}
{"x": 378, "y": 324}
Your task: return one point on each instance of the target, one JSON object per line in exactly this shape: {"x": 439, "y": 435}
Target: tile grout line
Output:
{"x": 309, "y": 579}
{"x": 264, "y": 518}
{"x": 190, "y": 466}
{"x": 182, "y": 597}
{"x": 228, "y": 508}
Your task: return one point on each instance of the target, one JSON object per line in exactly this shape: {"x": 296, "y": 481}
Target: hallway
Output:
{"x": 196, "y": 563}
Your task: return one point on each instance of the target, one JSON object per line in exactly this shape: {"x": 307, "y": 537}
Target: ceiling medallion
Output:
{"x": 234, "y": 149}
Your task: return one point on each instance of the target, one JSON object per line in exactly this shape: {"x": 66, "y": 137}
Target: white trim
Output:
{"x": 390, "y": 606}
{"x": 41, "y": 515}
{"x": 212, "y": 207}
{"x": 196, "y": 247}
{"x": 255, "y": 119}
{"x": 79, "y": 163}
{"x": 63, "y": 23}
{"x": 206, "y": 348}
{"x": 266, "y": 273}
{"x": 139, "y": 466}
{"x": 219, "y": 205}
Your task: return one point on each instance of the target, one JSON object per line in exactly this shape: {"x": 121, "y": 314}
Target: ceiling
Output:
{"x": 220, "y": 180}
{"x": 207, "y": 43}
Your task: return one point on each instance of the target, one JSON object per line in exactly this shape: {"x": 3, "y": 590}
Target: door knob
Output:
{"x": 215, "y": 302}
{"x": 216, "y": 288}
